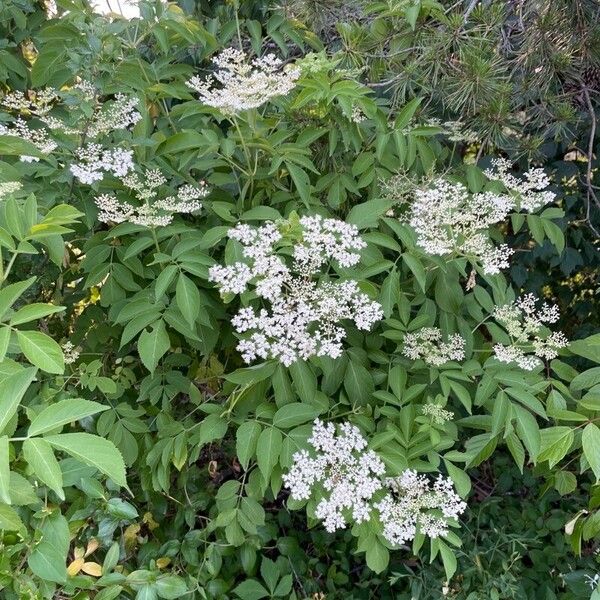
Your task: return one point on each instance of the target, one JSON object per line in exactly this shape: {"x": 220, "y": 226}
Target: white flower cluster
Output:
{"x": 35, "y": 102}
{"x": 438, "y": 414}
{"x": 243, "y": 84}
{"x": 95, "y": 161}
{"x": 525, "y": 324}
{"x": 305, "y": 314}
{"x": 428, "y": 344}
{"x": 70, "y": 352}
{"x": 347, "y": 472}
{"x": 120, "y": 113}
{"x": 448, "y": 219}
{"x": 38, "y": 137}
{"x": 457, "y": 131}
{"x": 530, "y": 192}
{"x": 414, "y": 505}
{"x": 345, "y": 477}
{"x": 152, "y": 212}
{"x": 9, "y": 187}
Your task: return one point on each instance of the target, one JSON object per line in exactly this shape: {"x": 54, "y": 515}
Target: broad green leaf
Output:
{"x": 4, "y": 471}
{"x": 38, "y": 453}
{"x": 268, "y": 448}
{"x": 153, "y": 345}
{"x": 293, "y": 414}
{"x": 252, "y": 374}
{"x": 171, "y": 587}
{"x": 377, "y": 555}
{"x": 250, "y": 590}
{"x": 63, "y": 412}
{"x": 591, "y": 447}
{"x": 9, "y": 519}
{"x": 94, "y": 451}
{"x": 42, "y": 351}
{"x": 187, "y": 298}
{"x": 304, "y": 380}
{"x": 12, "y": 390}
{"x": 245, "y": 443}
{"x": 48, "y": 560}
{"x": 10, "y": 293}
{"x": 35, "y": 311}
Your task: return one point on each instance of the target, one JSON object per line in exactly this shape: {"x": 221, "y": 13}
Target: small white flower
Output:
{"x": 152, "y": 212}
{"x": 305, "y": 314}
{"x": 242, "y": 84}
{"x": 530, "y": 192}
{"x": 415, "y": 505}
{"x": 526, "y": 326}
{"x": 70, "y": 352}
{"x": 346, "y": 473}
{"x": 438, "y": 414}
{"x": 428, "y": 344}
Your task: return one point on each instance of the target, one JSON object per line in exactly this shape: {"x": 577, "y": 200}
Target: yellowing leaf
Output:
{"x": 163, "y": 562}
{"x": 92, "y": 568}
{"x": 75, "y": 567}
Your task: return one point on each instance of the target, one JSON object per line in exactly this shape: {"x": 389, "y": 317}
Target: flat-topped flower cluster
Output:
{"x": 448, "y": 219}
{"x": 153, "y": 211}
{"x": 243, "y": 84}
{"x": 346, "y": 477}
{"x": 92, "y": 159}
{"x": 428, "y": 344}
{"x": 526, "y": 326}
{"x": 305, "y": 310}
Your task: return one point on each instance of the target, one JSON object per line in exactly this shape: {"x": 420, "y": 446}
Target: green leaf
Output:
{"x": 48, "y": 560}
{"x": 304, "y": 380}
{"x": 12, "y": 390}
{"x": 63, "y": 412}
{"x": 293, "y": 414}
{"x": 94, "y": 451}
{"x": 377, "y": 556}
{"x": 42, "y": 351}
{"x": 34, "y": 311}
{"x": 9, "y": 519}
{"x": 171, "y": 587}
{"x": 268, "y": 448}
{"x": 187, "y": 298}
{"x": 40, "y": 457}
{"x": 10, "y": 293}
{"x": 367, "y": 214}
{"x": 588, "y": 348}
{"x": 4, "y": 471}
{"x": 153, "y": 345}
{"x": 555, "y": 443}
{"x": 252, "y": 374}
{"x": 250, "y": 590}
{"x": 591, "y": 447}
{"x": 246, "y": 439}
{"x": 448, "y": 559}
{"x": 14, "y": 146}
{"x": 528, "y": 431}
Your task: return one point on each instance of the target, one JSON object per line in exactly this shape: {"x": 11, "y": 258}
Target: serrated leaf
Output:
{"x": 153, "y": 345}
{"x": 94, "y": 451}
{"x": 246, "y": 439}
{"x": 12, "y": 390}
{"x": 38, "y": 453}
{"x": 62, "y": 413}
{"x": 4, "y": 471}
{"x": 268, "y": 448}
{"x": 42, "y": 351}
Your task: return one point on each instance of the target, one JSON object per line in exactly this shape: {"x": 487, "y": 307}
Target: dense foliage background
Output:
{"x": 140, "y": 457}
